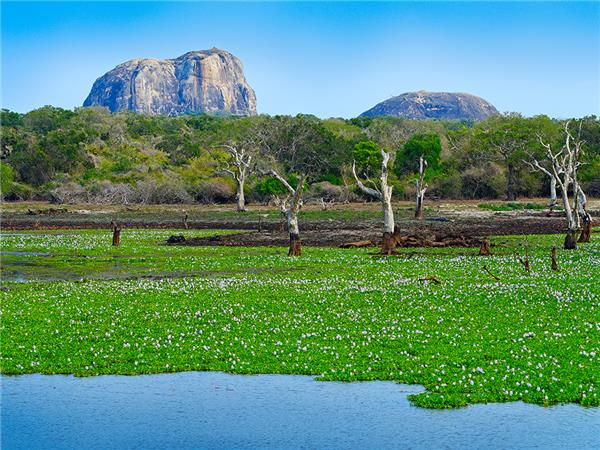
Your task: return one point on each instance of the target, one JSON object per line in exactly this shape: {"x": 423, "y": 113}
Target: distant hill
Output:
{"x": 206, "y": 81}
{"x": 433, "y": 105}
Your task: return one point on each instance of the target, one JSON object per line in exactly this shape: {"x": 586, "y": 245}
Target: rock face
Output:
{"x": 433, "y": 105}
{"x": 207, "y": 81}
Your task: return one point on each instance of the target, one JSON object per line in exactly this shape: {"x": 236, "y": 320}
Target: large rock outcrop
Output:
{"x": 433, "y": 105}
{"x": 206, "y": 81}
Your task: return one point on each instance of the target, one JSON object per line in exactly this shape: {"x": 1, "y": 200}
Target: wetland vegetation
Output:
{"x": 431, "y": 316}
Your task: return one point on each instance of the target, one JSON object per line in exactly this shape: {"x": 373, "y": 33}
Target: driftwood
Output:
{"x": 491, "y": 274}
{"x": 358, "y": 244}
{"x": 432, "y": 240}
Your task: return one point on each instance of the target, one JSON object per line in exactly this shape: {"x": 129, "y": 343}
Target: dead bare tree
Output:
{"x": 239, "y": 169}
{"x": 290, "y": 206}
{"x": 383, "y": 193}
{"x": 563, "y": 168}
{"x": 297, "y": 146}
{"x": 535, "y": 165}
{"x": 389, "y": 134}
{"x": 421, "y": 189}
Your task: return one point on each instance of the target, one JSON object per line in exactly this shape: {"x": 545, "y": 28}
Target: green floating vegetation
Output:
{"x": 334, "y": 314}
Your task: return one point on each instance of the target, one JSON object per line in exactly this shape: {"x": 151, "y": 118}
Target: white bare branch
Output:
{"x": 367, "y": 190}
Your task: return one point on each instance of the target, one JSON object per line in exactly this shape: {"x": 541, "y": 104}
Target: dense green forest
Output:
{"x": 92, "y": 155}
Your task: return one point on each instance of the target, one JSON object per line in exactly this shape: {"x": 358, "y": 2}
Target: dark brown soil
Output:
{"x": 424, "y": 234}
{"x": 449, "y": 227}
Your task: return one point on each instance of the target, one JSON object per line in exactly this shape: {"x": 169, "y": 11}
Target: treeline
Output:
{"x": 92, "y": 155}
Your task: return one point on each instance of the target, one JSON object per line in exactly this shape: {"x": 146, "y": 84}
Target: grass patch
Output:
{"x": 513, "y": 206}
{"x": 335, "y": 314}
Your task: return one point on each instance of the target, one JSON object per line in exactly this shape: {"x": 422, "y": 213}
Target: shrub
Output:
{"x": 106, "y": 192}
{"x": 215, "y": 191}
{"x": 161, "y": 192}
{"x": 328, "y": 192}
{"x": 6, "y": 179}
{"x": 69, "y": 193}
{"x": 449, "y": 186}
{"x": 20, "y": 192}
{"x": 483, "y": 182}
{"x": 265, "y": 188}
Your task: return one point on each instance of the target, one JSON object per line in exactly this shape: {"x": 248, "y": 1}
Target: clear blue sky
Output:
{"x": 328, "y": 59}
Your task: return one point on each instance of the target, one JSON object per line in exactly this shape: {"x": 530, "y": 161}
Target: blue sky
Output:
{"x": 328, "y": 59}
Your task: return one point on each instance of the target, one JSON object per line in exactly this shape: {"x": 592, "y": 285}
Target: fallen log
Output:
{"x": 357, "y": 244}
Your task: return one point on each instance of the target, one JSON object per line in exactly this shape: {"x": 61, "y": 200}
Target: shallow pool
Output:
{"x": 217, "y": 410}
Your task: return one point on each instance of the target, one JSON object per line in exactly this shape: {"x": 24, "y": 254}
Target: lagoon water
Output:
{"x": 221, "y": 411}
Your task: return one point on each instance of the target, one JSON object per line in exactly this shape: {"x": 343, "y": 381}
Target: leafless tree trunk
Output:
{"x": 241, "y": 169}
{"x": 553, "y": 199}
{"x": 290, "y": 207}
{"x": 564, "y": 164}
{"x": 586, "y": 230}
{"x": 421, "y": 189}
{"x": 384, "y": 194}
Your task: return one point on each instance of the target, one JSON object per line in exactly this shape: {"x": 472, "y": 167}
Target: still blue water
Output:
{"x": 220, "y": 411}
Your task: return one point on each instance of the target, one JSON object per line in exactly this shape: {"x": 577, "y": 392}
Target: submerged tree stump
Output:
{"x": 570, "y": 240}
{"x": 388, "y": 244}
{"x": 586, "y": 231}
{"x": 484, "y": 250}
{"x": 295, "y": 246}
{"x": 116, "y": 239}
{"x": 554, "y": 263}
{"x": 525, "y": 261}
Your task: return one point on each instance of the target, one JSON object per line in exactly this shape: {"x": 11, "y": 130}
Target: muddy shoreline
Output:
{"x": 330, "y": 235}
{"x": 265, "y": 228}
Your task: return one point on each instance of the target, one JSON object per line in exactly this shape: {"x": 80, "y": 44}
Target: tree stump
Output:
{"x": 116, "y": 239}
{"x": 484, "y": 250}
{"x": 570, "y": 240}
{"x": 586, "y": 231}
{"x": 525, "y": 261}
{"x": 388, "y": 244}
{"x": 295, "y": 246}
{"x": 554, "y": 263}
